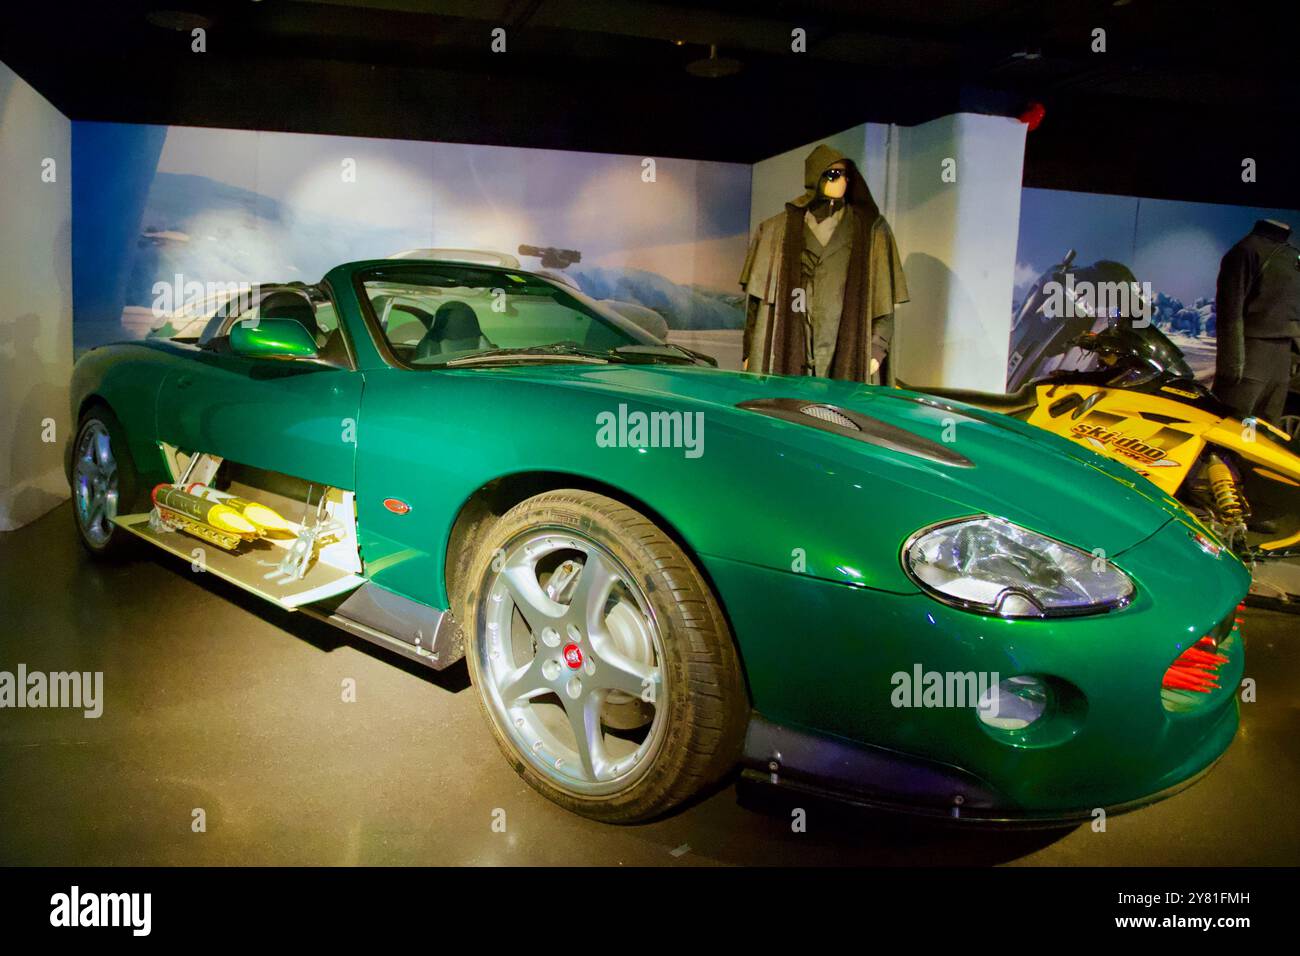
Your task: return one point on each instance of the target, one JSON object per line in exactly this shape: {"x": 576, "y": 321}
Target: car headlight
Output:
{"x": 991, "y": 566}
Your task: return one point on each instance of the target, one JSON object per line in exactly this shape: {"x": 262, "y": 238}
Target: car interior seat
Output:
{"x": 455, "y": 329}
{"x": 291, "y": 305}
{"x": 330, "y": 345}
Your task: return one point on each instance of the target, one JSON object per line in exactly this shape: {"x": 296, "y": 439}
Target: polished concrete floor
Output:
{"x": 217, "y": 702}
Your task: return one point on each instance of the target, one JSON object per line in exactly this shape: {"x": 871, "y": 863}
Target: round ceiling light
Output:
{"x": 714, "y": 66}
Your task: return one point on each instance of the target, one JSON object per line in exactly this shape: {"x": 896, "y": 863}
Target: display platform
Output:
{"x": 246, "y": 720}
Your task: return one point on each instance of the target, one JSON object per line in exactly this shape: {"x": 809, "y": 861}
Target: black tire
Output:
{"x": 119, "y": 544}
{"x": 707, "y": 708}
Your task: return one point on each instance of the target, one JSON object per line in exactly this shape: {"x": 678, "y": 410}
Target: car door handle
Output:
{"x": 185, "y": 381}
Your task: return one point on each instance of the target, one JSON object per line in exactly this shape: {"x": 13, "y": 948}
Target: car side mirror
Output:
{"x": 272, "y": 338}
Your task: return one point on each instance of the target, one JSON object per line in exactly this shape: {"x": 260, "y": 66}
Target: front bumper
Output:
{"x": 881, "y": 779}
{"x": 821, "y": 658}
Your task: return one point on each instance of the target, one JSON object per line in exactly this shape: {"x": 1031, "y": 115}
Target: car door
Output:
{"x": 294, "y": 416}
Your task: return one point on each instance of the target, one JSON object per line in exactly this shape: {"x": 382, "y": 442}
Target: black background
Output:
{"x": 1009, "y": 909}
{"x": 1185, "y": 91}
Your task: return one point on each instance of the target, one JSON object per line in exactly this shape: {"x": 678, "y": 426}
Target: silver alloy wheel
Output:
{"x": 94, "y": 483}
{"x": 568, "y": 633}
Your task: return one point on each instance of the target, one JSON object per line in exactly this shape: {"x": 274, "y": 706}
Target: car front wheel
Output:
{"x": 601, "y": 658}
{"x": 103, "y": 483}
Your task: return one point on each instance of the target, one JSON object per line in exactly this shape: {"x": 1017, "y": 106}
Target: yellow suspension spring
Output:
{"x": 1229, "y": 500}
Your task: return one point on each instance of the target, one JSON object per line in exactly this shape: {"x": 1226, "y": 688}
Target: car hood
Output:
{"x": 1020, "y": 472}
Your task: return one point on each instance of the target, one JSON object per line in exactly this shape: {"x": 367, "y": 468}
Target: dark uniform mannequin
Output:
{"x": 1258, "y": 316}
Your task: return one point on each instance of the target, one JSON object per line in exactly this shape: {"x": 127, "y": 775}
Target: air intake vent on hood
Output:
{"x": 860, "y": 427}
{"x": 829, "y": 413}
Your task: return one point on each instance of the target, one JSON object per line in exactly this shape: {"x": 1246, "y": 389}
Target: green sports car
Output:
{"x": 658, "y": 571}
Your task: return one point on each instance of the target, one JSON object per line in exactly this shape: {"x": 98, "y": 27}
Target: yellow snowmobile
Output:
{"x": 1139, "y": 403}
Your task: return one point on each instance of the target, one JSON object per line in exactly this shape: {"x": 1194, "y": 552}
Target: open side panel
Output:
{"x": 248, "y": 569}
{"x": 256, "y": 562}
{"x": 331, "y": 588}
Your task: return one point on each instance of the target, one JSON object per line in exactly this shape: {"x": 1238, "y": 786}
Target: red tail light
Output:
{"x": 1197, "y": 668}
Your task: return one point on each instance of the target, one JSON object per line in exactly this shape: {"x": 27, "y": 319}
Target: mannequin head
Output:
{"x": 831, "y": 181}
{"x": 834, "y": 181}
{"x": 1273, "y": 229}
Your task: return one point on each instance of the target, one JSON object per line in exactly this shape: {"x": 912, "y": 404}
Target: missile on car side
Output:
{"x": 219, "y": 516}
{"x": 262, "y": 517}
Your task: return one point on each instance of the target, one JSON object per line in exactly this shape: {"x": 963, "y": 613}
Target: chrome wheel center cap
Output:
{"x": 573, "y": 656}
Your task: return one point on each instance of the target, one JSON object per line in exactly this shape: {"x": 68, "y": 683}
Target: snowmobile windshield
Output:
{"x": 1138, "y": 354}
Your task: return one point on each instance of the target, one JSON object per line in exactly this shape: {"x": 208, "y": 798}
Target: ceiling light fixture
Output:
{"x": 714, "y": 66}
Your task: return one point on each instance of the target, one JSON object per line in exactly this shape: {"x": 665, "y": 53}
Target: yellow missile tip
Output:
{"x": 265, "y": 518}
{"x": 228, "y": 519}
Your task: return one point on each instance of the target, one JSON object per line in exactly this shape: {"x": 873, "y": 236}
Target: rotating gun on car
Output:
{"x": 552, "y": 258}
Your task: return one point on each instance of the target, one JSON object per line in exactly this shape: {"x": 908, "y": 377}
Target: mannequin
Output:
{"x": 821, "y": 280}
{"x": 1257, "y": 308}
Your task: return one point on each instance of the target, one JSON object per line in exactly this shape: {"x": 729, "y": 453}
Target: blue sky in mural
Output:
{"x": 243, "y": 206}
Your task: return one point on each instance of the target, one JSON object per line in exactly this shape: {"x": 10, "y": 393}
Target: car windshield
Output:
{"x": 441, "y": 314}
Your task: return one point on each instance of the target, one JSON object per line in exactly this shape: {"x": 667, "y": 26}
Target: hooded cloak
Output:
{"x": 823, "y": 308}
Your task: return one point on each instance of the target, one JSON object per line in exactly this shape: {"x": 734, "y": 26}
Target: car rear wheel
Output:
{"x": 601, "y": 658}
{"x": 104, "y": 482}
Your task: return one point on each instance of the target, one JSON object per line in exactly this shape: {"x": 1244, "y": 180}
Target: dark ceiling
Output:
{"x": 1184, "y": 91}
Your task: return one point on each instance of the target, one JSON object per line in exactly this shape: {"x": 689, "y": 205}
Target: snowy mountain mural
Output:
{"x": 226, "y": 206}
{"x": 211, "y": 232}
{"x": 684, "y": 307}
